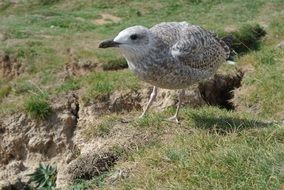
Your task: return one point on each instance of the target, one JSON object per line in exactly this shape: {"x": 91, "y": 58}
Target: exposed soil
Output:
{"x": 10, "y": 67}
{"x": 78, "y": 67}
{"x": 61, "y": 139}
{"x": 106, "y": 19}
{"x": 219, "y": 90}
{"x": 25, "y": 142}
{"x": 91, "y": 164}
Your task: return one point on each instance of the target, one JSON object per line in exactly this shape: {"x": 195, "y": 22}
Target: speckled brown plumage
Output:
{"x": 171, "y": 55}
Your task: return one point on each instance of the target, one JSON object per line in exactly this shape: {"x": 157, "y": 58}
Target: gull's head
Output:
{"x": 129, "y": 39}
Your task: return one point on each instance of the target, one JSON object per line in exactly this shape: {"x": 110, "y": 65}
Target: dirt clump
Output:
{"x": 219, "y": 90}
{"x": 76, "y": 66}
{"x": 120, "y": 102}
{"x": 106, "y": 19}
{"x": 10, "y": 67}
{"x": 91, "y": 164}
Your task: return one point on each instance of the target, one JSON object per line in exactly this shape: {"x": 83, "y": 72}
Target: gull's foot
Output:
{"x": 173, "y": 119}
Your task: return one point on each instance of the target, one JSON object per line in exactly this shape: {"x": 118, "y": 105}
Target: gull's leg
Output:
{"x": 175, "y": 117}
{"x": 152, "y": 98}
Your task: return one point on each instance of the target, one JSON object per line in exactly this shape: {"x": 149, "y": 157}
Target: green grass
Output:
{"x": 222, "y": 150}
{"x": 265, "y": 94}
{"x": 38, "y": 106}
{"x": 70, "y": 85}
{"x": 151, "y": 120}
{"x": 36, "y": 25}
{"x": 104, "y": 83}
{"x": 203, "y": 161}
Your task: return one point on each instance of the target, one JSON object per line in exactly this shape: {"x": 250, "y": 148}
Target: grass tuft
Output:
{"x": 38, "y": 107}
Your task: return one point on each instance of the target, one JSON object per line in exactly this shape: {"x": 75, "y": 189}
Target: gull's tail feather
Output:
{"x": 228, "y": 40}
{"x": 227, "y": 43}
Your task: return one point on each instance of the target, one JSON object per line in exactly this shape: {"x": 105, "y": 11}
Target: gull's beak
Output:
{"x": 108, "y": 43}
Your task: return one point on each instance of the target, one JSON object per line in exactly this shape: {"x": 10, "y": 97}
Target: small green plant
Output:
{"x": 44, "y": 177}
{"x": 38, "y": 106}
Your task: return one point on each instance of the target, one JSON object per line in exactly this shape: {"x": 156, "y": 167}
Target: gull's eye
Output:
{"x": 133, "y": 37}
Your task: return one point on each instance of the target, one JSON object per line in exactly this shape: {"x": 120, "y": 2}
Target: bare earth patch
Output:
{"x": 24, "y": 142}
{"x": 85, "y": 135}
{"x": 106, "y": 19}
{"x": 10, "y": 67}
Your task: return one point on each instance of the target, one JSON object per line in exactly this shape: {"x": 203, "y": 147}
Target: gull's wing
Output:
{"x": 198, "y": 48}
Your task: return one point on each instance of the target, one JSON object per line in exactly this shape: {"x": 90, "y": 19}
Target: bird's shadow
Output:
{"x": 225, "y": 124}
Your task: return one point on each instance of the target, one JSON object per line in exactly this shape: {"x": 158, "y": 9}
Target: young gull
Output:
{"x": 171, "y": 55}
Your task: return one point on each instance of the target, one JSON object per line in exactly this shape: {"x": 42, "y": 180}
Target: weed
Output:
{"x": 44, "y": 177}
{"x": 37, "y": 106}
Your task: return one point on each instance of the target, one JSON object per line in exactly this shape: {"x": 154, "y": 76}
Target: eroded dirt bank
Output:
{"x": 61, "y": 141}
